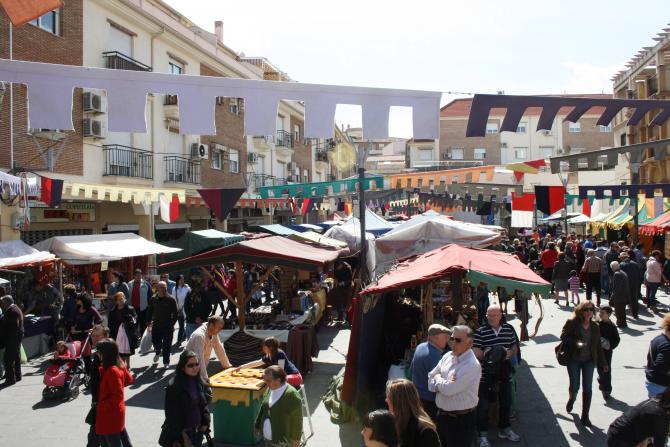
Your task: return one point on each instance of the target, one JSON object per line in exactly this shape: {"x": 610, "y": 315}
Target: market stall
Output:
{"x": 194, "y": 242}
{"x": 27, "y": 267}
{"x": 394, "y": 312}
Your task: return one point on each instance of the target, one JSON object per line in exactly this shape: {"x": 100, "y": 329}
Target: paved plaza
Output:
{"x": 541, "y": 419}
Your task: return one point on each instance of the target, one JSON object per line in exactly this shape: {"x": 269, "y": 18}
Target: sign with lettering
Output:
{"x": 66, "y": 212}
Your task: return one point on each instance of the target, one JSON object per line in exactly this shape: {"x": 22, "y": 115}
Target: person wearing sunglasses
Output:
{"x": 581, "y": 337}
{"x": 187, "y": 417}
{"x": 455, "y": 380}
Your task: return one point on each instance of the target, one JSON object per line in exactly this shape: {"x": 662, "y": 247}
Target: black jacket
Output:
{"x": 177, "y": 403}
{"x": 658, "y": 361}
{"x": 645, "y": 420}
{"x": 620, "y": 289}
{"x": 570, "y": 335}
{"x": 197, "y": 305}
{"x": 419, "y": 435}
{"x": 632, "y": 269}
{"x": 127, "y": 316}
{"x": 11, "y": 326}
{"x": 609, "y": 331}
{"x": 162, "y": 312}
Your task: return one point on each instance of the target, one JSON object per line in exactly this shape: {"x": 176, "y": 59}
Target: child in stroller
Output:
{"x": 66, "y": 371}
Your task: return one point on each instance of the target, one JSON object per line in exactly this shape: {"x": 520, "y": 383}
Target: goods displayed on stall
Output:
{"x": 237, "y": 397}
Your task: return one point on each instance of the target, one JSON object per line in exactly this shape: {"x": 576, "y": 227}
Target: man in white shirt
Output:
{"x": 203, "y": 340}
{"x": 455, "y": 380}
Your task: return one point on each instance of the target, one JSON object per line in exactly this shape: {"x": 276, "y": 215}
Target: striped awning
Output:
{"x": 656, "y": 226}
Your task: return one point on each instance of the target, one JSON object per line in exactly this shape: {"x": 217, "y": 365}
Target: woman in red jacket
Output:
{"x": 111, "y": 407}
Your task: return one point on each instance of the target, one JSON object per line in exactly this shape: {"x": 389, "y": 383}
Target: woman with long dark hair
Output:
{"x": 110, "y": 410}
{"x": 85, "y": 317}
{"x": 187, "y": 418}
{"x": 415, "y": 427}
{"x": 124, "y": 314}
{"x": 581, "y": 337}
{"x": 272, "y": 355}
{"x": 379, "y": 429}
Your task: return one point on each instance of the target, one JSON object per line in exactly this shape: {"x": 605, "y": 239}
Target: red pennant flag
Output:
{"x": 518, "y": 175}
{"x": 221, "y": 201}
{"x": 51, "y": 191}
{"x": 586, "y": 207}
{"x": 305, "y": 207}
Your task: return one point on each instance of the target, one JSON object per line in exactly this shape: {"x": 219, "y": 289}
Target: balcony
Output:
{"x": 260, "y": 180}
{"x": 181, "y": 170}
{"x": 321, "y": 155}
{"x": 171, "y": 107}
{"x": 119, "y": 61}
{"x": 126, "y": 161}
{"x": 284, "y": 139}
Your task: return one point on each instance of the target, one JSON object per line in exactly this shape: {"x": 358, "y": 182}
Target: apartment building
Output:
{"x": 647, "y": 76}
{"x": 499, "y": 148}
{"x": 102, "y": 169}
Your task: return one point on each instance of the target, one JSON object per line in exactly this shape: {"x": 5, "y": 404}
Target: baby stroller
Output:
{"x": 65, "y": 374}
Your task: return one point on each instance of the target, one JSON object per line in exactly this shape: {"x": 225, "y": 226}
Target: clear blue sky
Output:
{"x": 478, "y": 46}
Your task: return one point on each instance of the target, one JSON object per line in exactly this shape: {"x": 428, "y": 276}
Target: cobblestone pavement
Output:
{"x": 26, "y": 420}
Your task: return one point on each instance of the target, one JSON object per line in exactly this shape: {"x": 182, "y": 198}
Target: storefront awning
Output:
{"x": 273, "y": 250}
{"x": 94, "y": 248}
{"x": 15, "y": 254}
{"x": 450, "y": 259}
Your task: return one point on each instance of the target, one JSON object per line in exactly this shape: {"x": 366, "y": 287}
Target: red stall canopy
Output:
{"x": 450, "y": 259}
{"x": 273, "y": 250}
{"x": 657, "y": 226}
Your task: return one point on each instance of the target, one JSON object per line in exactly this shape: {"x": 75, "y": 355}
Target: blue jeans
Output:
{"x": 654, "y": 389}
{"x": 583, "y": 368}
{"x": 652, "y": 287}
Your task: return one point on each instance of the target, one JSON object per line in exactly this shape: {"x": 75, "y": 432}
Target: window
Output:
{"x": 456, "y": 153}
{"x": 605, "y": 129}
{"x": 574, "y": 127}
{"x": 520, "y": 152}
{"x": 234, "y": 106}
{"x": 296, "y": 133}
{"x": 49, "y": 22}
{"x": 521, "y": 128}
{"x": 217, "y": 158}
{"x": 234, "y": 158}
{"x": 480, "y": 153}
{"x": 305, "y": 176}
{"x": 547, "y": 151}
{"x": 175, "y": 67}
{"x": 120, "y": 41}
{"x": 425, "y": 154}
{"x": 491, "y": 127}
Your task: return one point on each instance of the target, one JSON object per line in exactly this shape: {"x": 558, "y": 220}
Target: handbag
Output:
{"x": 90, "y": 416}
{"x": 562, "y": 354}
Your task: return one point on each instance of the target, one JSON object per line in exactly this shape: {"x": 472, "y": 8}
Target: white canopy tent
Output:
{"x": 18, "y": 253}
{"x": 373, "y": 223}
{"x": 94, "y": 248}
{"x": 426, "y": 236}
{"x": 351, "y": 234}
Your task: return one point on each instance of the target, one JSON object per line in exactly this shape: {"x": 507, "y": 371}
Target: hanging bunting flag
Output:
{"x": 51, "y": 191}
{"x": 221, "y": 201}
{"x": 169, "y": 208}
{"x": 304, "y": 207}
{"x": 526, "y": 167}
{"x": 550, "y": 199}
{"x": 586, "y": 207}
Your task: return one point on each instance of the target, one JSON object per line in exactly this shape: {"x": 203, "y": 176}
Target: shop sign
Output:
{"x": 66, "y": 212}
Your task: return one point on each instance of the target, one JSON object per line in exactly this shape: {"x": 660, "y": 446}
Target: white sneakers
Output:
{"x": 503, "y": 434}
{"x": 509, "y": 434}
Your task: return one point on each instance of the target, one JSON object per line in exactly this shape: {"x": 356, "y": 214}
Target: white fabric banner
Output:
{"x": 522, "y": 219}
{"x": 50, "y": 94}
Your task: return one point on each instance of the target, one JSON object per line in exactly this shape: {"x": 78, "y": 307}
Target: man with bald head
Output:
{"x": 495, "y": 344}
{"x": 162, "y": 315}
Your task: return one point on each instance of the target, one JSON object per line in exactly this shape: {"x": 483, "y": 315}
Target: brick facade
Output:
{"x": 229, "y": 133}
{"x": 302, "y": 153}
{"x": 34, "y": 44}
{"x": 452, "y": 134}
{"x": 590, "y": 138}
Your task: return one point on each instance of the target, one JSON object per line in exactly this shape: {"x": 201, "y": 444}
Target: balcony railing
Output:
{"x": 284, "y": 139}
{"x": 181, "y": 170}
{"x": 321, "y": 155}
{"x": 119, "y": 61}
{"x": 126, "y": 161}
{"x": 260, "y": 180}
{"x": 170, "y": 100}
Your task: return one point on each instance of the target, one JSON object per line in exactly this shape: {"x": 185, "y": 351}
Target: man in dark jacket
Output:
{"x": 644, "y": 424}
{"x": 620, "y": 295}
{"x": 633, "y": 271}
{"x": 162, "y": 314}
{"x": 11, "y": 334}
{"x": 611, "y": 256}
{"x": 609, "y": 339}
{"x": 657, "y": 371}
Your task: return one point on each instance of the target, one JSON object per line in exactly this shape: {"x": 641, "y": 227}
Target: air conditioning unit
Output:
{"x": 199, "y": 150}
{"x": 93, "y": 102}
{"x": 252, "y": 157}
{"x": 93, "y": 128}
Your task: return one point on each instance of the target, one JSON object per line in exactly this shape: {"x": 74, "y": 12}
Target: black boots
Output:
{"x": 586, "y": 406}
{"x": 571, "y": 402}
